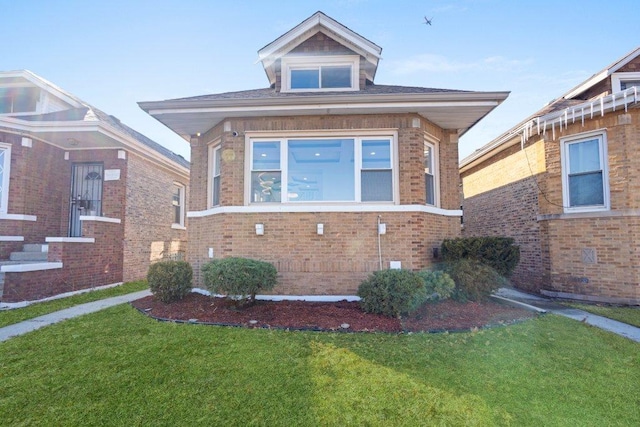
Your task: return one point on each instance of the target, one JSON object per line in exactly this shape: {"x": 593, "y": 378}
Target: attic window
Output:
{"x": 18, "y": 99}
{"x": 622, "y": 81}
{"x": 320, "y": 73}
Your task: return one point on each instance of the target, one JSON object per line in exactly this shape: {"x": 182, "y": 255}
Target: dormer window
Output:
{"x": 18, "y": 99}
{"x": 622, "y": 81}
{"x": 320, "y": 73}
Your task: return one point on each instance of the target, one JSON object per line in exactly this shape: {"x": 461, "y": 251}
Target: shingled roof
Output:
{"x": 82, "y": 111}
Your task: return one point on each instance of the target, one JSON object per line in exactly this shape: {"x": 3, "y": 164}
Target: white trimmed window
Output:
{"x": 322, "y": 169}
{"x": 622, "y": 81}
{"x": 5, "y": 164}
{"x": 177, "y": 202}
{"x": 16, "y": 99}
{"x": 584, "y": 172}
{"x": 430, "y": 174}
{"x": 320, "y": 73}
{"x": 215, "y": 162}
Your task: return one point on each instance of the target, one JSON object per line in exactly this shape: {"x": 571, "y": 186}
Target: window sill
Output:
{"x": 18, "y": 217}
{"x": 592, "y": 214}
{"x": 178, "y": 227}
{"x": 99, "y": 219}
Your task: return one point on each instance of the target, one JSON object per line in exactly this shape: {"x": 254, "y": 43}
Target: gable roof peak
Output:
{"x": 318, "y": 22}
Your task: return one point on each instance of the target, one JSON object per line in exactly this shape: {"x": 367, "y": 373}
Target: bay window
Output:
{"x": 431, "y": 189}
{"x": 215, "y": 162}
{"x": 296, "y": 170}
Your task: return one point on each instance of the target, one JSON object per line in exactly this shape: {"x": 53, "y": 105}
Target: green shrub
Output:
{"x": 170, "y": 281}
{"x": 474, "y": 280}
{"x": 239, "y": 278}
{"x": 438, "y": 285}
{"x": 497, "y": 252}
{"x": 392, "y": 292}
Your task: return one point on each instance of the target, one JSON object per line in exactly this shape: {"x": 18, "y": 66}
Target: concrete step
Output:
{"x": 28, "y": 256}
{"x": 35, "y": 247}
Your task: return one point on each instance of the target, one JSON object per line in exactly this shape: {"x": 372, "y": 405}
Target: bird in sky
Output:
{"x": 427, "y": 21}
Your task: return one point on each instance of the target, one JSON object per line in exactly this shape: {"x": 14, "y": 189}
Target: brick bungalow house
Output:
{"x": 84, "y": 200}
{"x": 565, "y": 183}
{"x": 324, "y": 174}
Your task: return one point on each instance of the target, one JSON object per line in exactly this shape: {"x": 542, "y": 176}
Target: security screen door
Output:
{"x": 86, "y": 194}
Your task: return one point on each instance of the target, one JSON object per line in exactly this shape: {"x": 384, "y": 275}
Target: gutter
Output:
{"x": 342, "y": 100}
{"x": 127, "y": 141}
{"x": 560, "y": 118}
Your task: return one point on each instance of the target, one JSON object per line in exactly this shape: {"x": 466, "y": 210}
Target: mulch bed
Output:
{"x": 332, "y": 316}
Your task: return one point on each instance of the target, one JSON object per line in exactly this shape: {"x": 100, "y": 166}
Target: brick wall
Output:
{"x": 141, "y": 198}
{"x": 501, "y": 199}
{"x": 336, "y": 262}
{"x": 333, "y": 263}
{"x": 85, "y": 265}
{"x": 320, "y": 44}
{"x": 39, "y": 180}
{"x": 148, "y": 235}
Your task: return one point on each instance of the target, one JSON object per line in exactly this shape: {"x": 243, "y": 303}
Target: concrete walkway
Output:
{"x": 58, "y": 316}
{"x": 547, "y": 305}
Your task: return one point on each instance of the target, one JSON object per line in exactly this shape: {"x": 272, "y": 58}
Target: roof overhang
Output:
{"x": 558, "y": 119}
{"x": 603, "y": 74}
{"x": 25, "y": 78}
{"x": 459, "y": 111}
{"x": 84, "y": 135}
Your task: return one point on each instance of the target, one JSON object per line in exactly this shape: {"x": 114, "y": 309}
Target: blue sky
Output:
{"x": 115, "y": 53}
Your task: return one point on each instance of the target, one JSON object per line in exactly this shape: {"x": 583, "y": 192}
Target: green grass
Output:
{"x": 117, "y": 367}
{"x": 9, "y": 317}
{"x": 629, "y": 315}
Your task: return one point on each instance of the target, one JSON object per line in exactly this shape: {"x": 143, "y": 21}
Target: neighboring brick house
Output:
{"x": 301, "y": 173}
{"x": 565, "y": 183}
{"x": 84, "y": 200}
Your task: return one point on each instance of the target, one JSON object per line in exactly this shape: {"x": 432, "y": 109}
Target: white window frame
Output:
{"x": 617, "y": 78}
{"x": 214, "y": 152}
{"x": 433, "y": 144}
{"x": 565, "y": 143}
{"x": 4, "y": 180}
{"x": 181, "y": 189}
{"x": 358, "y": 137}
{"x": 317, "y": 62}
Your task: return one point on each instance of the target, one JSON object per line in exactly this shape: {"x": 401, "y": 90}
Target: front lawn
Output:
{"x": 9, "y": 317}
{"x": 117, "y": 367}
{"x": 629, "y": 315}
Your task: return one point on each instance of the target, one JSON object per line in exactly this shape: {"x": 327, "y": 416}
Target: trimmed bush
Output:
{"x": 170, "y": 281}
{"x": 497, "y": 252}
{"x": 438, "y": 285}
{"x": 239, "y": 278}
{"x": 392, "y": 292}
{"x": 474, "y": 280}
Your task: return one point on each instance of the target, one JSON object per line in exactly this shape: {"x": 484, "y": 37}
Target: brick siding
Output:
{"x": 141, "y": 198}
{"x": 148, "y": 235}
{"x": 336, "y": 262}
{"x": 502, "y": 198}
